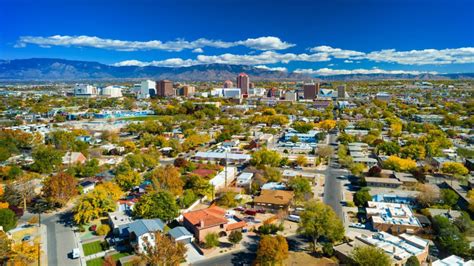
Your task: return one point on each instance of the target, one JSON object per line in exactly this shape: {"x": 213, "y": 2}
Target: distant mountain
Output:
{"x": 60, "y": 69}
{"x": 49, "y": 69}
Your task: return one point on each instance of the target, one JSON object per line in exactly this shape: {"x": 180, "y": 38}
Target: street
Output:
{"x": 60, "y": 239}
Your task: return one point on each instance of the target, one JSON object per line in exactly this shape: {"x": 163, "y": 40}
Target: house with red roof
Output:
{"x": 211, "y": 220}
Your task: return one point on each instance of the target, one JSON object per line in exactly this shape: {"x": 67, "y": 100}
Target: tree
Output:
{"x": 428, "y": 195}
{"x": 395, "y": 129}
{"x": 7, "y": 219}
{"x": 301, "y": 187}
{"x": 235, "y": 237}
{"x": 161, "y": 204}
{"x": 47, "y": 159}
{"x": 342, "y": 124}
{"x": 227, "y": 199}
{"x": 326, "y": 125}
{"x": 301, "y": 160}
{"x": 302, "y": 127}
{"x": 374, "y": 171}
{"x": 187, "y": 198}
{"x": 103, "y": 230}
{"x": 400, "y": 165}
{"x": 162, "y": 250}
{"x": 470, "y": 196}
{"x": 361, "y": 197}
{"x": 109, "y": 261}
{"x": 129, "y": 179}
{"x": 20, "y": 192}
{"x": 448, "y": 236}
{"x": 272, "y": 250}
{"x": 454, "y": 168}
{"x": 180, "y": 162}
{"x": 369, "y": 255}
{"x": 357, "y": 168}
{"x": 111, "y": 189}
{"x": 388, "y": 148}
{"x": 414, "y": 151}
{"x": 211, "y": 240}
{"x": 319, "y": 220}
{"x": 412, "y": 261}
{"x": 325, "y": 151}
{"x": 265, "y": 157}
{"x": 449, "y": 197}
{"x": 25, "y": 253}
{"x": 5, "y": 247}
{"x": 59, "y": 188}
{"x": 272, "y": 174}
{"x": 93, "y": 205}
{"x": 167, "y": 178}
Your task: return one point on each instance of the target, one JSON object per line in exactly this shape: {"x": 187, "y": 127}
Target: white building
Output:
{"x": 291, "y": 96}
{"x": 259, "y": 92}
{"x": 85, "y": 90}
{"x": 112, "y": 92}
{"x": 244, "y": 179}
{"x": 453, "y": 260}
{"x": 224, "y": 177}
{"x": 146, "y": 87}
{"x": 234, "y": 93}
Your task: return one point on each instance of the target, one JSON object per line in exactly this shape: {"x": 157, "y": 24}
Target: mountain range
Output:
{"x": 49, "y": 69}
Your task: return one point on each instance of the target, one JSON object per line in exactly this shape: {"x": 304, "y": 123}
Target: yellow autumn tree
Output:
{"x": 395, "y": 129}
{"x": 326, "y": 125}
{"x": 25, "y": 253}
{"x": 454, "y": 168}
{"x": 399, "y": 164}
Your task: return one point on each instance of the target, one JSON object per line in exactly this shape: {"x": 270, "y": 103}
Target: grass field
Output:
{"x": 92, "y": 248}
{"x": 100, "y": 261}
{"x": 141, "y": 118}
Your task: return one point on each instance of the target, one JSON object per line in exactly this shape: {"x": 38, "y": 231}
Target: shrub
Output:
{"x": 211, "y": 240}
{"x": 102, "y": 230}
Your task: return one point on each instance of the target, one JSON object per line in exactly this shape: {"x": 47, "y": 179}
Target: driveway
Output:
{"x": 192, "y": 255}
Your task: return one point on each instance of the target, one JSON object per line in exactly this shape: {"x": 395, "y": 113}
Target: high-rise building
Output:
{"x": 243, "y": 82}
{"x": 164, "y": 88}
{"x": 341, "y": 91}
{"x": 147, "y": 88}
{"x": 112, "y": 91}
{"x": 311, "y": 90}
{"x": 228, "y": 84}
{"x": 188, "y": 90}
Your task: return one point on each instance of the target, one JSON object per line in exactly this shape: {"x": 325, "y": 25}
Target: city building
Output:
{"x": 228, "y": 84}
{"x": 453, "y": 260}
{"x": 186, "y": 91}
{"x": 147, "y": 89}
{"x": 244, "y": 179}
{"x": 230, "y": 93}
{"x": 164, "y": 88}
{"x": 393, "y": 218}
{"x": 311, "y": 90}
{"x": 85, "y": 90}
{"x": 291, "y": 96}
{"x": 341, "y": 91}
{"x": 112, "y": 91}
{"x": 243, "y": 83}
{"x": 383, "y": 96}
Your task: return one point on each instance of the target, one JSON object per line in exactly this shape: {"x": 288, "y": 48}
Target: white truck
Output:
{"x": 75, "y": 253}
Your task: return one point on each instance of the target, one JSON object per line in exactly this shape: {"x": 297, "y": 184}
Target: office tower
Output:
{"x": 243, "y": 82}
{"x": 146, "y": 87}
{"x": 188, "y": 90}
{"x": 341, "y": 91}
{"x": 311, "y": 90}
{"x": 164, "y": 88}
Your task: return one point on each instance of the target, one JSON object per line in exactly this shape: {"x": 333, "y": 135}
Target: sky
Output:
{"x": 314, "y": 37}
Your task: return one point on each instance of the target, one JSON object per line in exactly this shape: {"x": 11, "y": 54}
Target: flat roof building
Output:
{"x": 392, "y": 217}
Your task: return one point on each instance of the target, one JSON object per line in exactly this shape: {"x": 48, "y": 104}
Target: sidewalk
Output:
{"x": 44, "y": 244}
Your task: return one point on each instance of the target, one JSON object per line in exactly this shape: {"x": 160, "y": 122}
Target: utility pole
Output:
{"x": 225, "y": 169}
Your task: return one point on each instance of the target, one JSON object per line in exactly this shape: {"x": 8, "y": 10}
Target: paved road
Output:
{"x": 248, "y": 256}
{"x": 60, "y": 240}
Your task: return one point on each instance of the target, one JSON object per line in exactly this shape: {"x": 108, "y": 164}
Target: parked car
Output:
{"x": 240, "y": 209}
{"x": 93, "y": 227}
{"x": 293, "y": 218}
{"x": 75, "y": 253}
{"x": 261, "y": 211}
{"x": 26, "y": 238}
{"x": 358, "y": 225}
{"x": 251, "y": 212}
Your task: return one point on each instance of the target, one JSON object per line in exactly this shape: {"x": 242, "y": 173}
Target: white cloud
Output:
{"x": 348, "y": 61}
{"x": 336, "y": 52}
{"x": 171, "y": 62}
{"x": 331, "y": 72}
{"x": 282, "y": 69}
{"x": 198, "y": 50}
{"x": 261, "y": 43}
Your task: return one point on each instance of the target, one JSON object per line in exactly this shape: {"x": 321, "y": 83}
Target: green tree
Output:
{"x": 211, "y": 240}
{"x": 301, "y": 187}
{"x": 319, "y": 220}
{"x": 412, "y": 261}
{"x": 47, "y": 159}
{"x": 272, "y": 174}
{"x": 235, "y": 237}
{"x": 302, "y": 127}
{"x": 265, "y": 157}
{"x": 357, "y": 168}
{"x": 7, "y": 219}
{"x": 161, "y": 204}
{"x": 449, "y": 197}
{"x": 227, "y": 199}
{"x": 449, "y": 238}
{"x": 369, "y": 255}
{"x": 388, "y": 148}
{"x": 361, "y": 197}
{"x": 102, "y": 230}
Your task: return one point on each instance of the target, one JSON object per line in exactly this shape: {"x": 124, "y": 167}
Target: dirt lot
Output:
{"x": 301, "y": 258}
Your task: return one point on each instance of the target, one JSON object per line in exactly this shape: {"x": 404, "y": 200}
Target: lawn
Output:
{"x": 100, "y": 261}
{"x": 141, "y": 118}
{"x": 92, "y": 248}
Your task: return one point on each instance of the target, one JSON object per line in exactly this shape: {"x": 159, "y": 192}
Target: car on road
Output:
{"x": 358, "y": 225}
{"x": 26, "y": 238}
{"x": 293, "y": 218}
{"x": 75, "y": 253}
{"x": 251, "y": 212}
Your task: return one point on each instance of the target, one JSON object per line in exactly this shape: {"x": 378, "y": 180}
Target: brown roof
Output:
{"x": 203, "y": 172}
{"x": 277, "y": 197}
{"x": 236, "y": 225}
{"x": 211, "y": 216}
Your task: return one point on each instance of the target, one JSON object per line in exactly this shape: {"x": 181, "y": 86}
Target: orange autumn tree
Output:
{"x": 60, "y": 188}
{"x": 272, "y": 250}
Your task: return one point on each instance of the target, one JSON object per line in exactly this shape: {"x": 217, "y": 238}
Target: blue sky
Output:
{"x": 319, "y": 37}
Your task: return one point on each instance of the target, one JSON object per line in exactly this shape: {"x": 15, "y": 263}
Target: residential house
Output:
{"x": 71, "y": 158}
{"x": 140, "y": 231}
{"x": 181, "y": 234}
{"x": 274, "y": 199}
